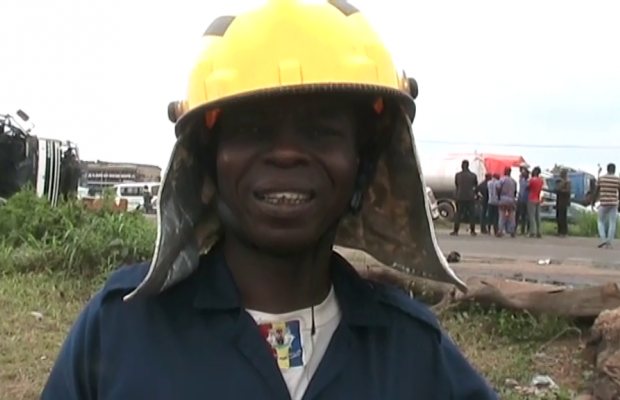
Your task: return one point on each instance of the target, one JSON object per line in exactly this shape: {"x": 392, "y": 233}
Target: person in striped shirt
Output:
{"x": 607, "y": 192}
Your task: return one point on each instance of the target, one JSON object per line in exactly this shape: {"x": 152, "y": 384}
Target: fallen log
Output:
{"x": 541, "y": 299}
{"x": 534, "y": 298}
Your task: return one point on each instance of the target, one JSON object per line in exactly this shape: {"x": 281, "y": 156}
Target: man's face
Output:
{"x": 286, "y": 168}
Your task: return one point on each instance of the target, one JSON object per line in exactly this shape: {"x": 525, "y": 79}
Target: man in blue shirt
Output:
{"x": 295, "y": 136}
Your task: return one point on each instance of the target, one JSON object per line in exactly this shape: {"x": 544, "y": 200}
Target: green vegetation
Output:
{"x": 69, "y": 240}
{"x": 511, "y": 349}
{"x": 586, "y": 225}
{"x": 53, "y": 259}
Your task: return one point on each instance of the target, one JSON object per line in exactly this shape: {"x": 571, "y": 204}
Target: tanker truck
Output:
{"x": 439, "y": 174}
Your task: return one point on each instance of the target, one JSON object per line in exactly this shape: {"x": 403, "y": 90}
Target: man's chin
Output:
{"x": 284, "y": 243}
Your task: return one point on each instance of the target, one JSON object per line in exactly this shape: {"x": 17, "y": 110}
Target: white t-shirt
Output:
{"x": 297, "y": 352}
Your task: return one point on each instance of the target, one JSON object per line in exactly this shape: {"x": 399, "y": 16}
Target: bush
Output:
{"x": 586, "y": 225}
{"x": 69, "y": 238}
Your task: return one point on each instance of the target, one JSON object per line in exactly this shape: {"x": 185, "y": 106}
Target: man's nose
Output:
{"x": 287, "y": 151}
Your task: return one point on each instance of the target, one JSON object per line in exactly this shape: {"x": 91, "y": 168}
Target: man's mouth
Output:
{"x": 285, "y": 198}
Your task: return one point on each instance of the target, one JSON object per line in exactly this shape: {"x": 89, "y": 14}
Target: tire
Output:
{"x": 446, "y": 211}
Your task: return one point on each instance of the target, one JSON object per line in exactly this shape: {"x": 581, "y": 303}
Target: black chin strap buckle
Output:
{"x": 356, "y": 202}
{"x": 364, "y": 176}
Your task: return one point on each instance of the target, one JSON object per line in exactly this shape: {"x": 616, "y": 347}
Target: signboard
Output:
{"x": 111, "y": 176}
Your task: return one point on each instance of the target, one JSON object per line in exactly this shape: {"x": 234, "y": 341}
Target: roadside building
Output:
{"x": 101, "y": 174}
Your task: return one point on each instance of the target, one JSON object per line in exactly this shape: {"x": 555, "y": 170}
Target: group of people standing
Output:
{"x": 504, "y": 204}
{"x": 506, "y": 207}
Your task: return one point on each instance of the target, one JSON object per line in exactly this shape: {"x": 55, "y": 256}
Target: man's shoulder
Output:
{"x": 611, "y": 179}
{"x": 126, "y": 278}
{"x": 405, "y": 311}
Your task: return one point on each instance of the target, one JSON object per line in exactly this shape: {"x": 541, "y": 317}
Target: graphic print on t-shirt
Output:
{"x": 284, "y": 338}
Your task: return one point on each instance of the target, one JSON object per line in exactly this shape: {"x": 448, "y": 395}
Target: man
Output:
{"x": 535, "y": 186}
{"x": 483, "y": 195}
{"x": 562, "y": 202}
{"x": 245, "y": 298}
{"x": 70, "y": 172}
{"x": 507, "y": 204}
{"x": 147, "y": 199}
{"x": 522, "y": 201}
{"x": 466, "y": 183}
{"x": 607, "y": 192}
{"x": 493, "y": 209}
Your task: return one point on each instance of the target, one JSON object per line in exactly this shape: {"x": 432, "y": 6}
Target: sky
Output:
{"x": 495, "y": 76}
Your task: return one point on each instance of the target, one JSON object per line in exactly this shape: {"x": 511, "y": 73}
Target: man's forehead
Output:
{"x": 323, "y": 105}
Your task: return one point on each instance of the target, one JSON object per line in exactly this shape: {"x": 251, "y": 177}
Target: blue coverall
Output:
{"x": 196, "y": 342}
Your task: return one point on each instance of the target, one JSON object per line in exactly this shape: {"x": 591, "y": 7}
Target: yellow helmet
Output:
{"x": 291, "y": 46}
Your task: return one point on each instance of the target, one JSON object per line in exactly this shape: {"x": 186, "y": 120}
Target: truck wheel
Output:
{"x": 446, "y": 211}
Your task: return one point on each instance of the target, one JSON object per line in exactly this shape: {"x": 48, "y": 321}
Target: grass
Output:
{"x": 29, "y": 344}
{"x": 511, "y": 349}
{"x": 53, "y": 260}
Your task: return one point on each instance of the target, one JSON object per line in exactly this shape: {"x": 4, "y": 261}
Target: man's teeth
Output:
{"x": 286, "y": 198}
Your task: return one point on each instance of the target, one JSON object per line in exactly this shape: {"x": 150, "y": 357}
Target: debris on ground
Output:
{"x": 37, "y": 315}
{"x": 539, "y": 385}
{"x": 453, "y": 257}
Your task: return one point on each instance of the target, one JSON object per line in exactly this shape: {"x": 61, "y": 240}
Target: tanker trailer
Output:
{"x": 439, "y": 175}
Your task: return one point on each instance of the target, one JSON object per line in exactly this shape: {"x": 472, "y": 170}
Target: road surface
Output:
{"x": 570, "y": 250}
{"x": 573, "y": 260}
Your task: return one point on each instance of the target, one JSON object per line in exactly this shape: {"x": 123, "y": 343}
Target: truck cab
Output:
{"x": 49, "y": 166}
{"x": 582, "y": 184}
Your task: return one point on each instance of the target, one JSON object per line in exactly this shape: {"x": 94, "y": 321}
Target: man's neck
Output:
{"x": 276, "y": 284}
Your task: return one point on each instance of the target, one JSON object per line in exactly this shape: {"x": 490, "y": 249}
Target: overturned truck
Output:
{"x": 51, "y": 167}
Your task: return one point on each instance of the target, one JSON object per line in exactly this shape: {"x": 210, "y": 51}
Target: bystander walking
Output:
{"x": 607, "y": 192}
